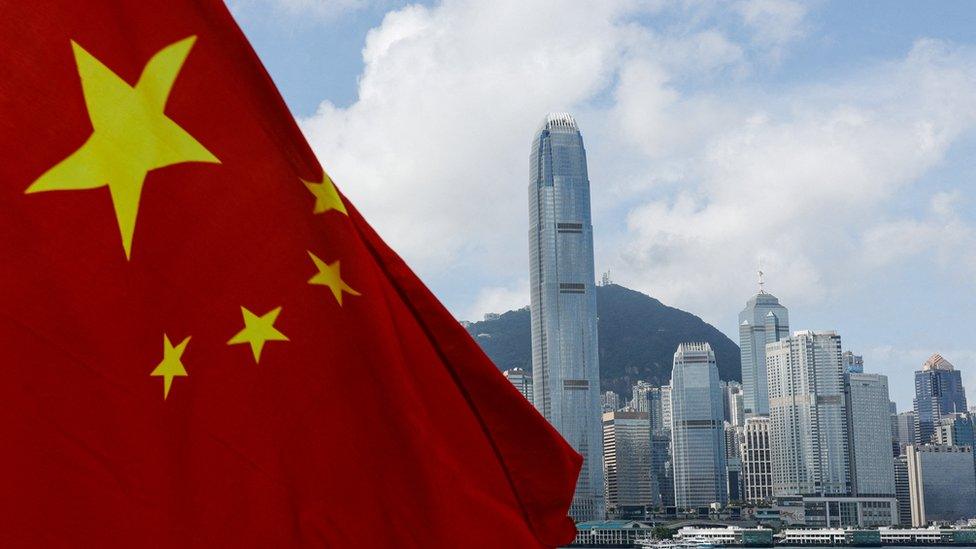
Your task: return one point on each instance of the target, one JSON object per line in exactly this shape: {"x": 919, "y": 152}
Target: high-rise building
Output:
{"x": 808, "y": 418}
{"x": 956, "y": 430}
{"x": 757, "y": 476}
{"x": 733, "y": 461}
{"x": 565, "y": 362}
{"x": 610, "y": 401}
{"x": 872, "y": 464}
{"x": 906, "y": 427}
{"x": 697, "y": 432}
{"x": 902, "y": 491}
{"x": 666, "y": 406}
{"x": 639, "y": 399}
{"x": 763, "y": 321}
{"x": 734, "y": 405}
{"x": 627, "y": 461}
{"x": 938, "y": 391}
{"x": 941, "y": 483}
{"x": 522, "y": 381}
{"x": 853, "y": 364}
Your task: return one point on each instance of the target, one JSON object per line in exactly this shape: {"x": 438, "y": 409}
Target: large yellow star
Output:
{"x": 328, "y": 275}
{"x": 132, "y": 135}
{"x": 326, "y": 196}
{"x": 172, "y": 365}
{"x": 257, "y": 330}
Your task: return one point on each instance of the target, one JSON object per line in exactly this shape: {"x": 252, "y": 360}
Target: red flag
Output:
{"x": 203, "y": 342}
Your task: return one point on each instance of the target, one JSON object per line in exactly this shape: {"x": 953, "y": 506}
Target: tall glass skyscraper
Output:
{"x": 697, "y": 430}
{"x": 565, "y": 362}
{"x": 938, "y": 392}
{"x": 763, "y": 321}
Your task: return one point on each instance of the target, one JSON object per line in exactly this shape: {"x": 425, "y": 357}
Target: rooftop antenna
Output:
{"x": 762, "y": 279}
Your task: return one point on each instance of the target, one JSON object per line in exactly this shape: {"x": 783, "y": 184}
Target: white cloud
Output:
{"x": 321, "y": 10}
{"x": 499, "y": 299}
{"x": 698, "y": 173}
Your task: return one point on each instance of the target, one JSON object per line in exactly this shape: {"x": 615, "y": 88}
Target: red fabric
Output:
{"x": 380, "y": 423}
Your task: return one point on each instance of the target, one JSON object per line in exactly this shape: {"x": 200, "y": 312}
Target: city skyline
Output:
{"x": 709, "y": 132}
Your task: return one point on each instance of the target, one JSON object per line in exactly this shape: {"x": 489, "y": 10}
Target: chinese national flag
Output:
{"x": 203, "y": 343}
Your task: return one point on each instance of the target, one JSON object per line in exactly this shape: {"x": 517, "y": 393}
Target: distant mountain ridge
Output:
{"x": 638, "y": 338}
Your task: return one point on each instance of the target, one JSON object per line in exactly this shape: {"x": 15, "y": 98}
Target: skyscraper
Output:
{"x": 902, "y": 491}
{"x": 697, "y": 432}
{"x": 522, "y": 381}
{"x": 956, "y": 430}
{"x": 565, "y": 363}
{"x": 869, "y": 418}
{"x": 941, "y": 483}
{"x": 907, "y": 427}
{"x": 734, "y": 406}
{"x": 938, "y": 391}
{"x": 757, "y": 476}
{"x": 808, "y": 418}
{"x": 853, "y": 364}
{"x": 627, "y": 462}
{"x": 610, "y": 401}
{"x": 763, "y": 321}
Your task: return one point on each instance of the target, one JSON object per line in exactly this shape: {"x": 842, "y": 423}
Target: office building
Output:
{"x": 522, "y": 381}
{"x": 697, "y": 432}
{"x": 869, "y": 418}
{"x": 610, "y": 401}
{"x": 853, "y": 364}
{"x": 941, "y": 483}
{"x": 906, "y": 426}
{"x": 808, "y": 416}
{"x": 757, "y": 476}
{"x": 734, "y": 404}
{"x": 956, "y": 430}
{"x": 902, "y": 492}
{"x": 763, "y": 321}
{"x": 938, "y": 392}
{"x": 627, "y": 462}
{"x": 565, "y": 361}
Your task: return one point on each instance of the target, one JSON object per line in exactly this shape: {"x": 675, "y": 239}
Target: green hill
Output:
{"x": 638, "y": 337}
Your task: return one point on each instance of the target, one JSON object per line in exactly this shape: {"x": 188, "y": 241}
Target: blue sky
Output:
{"x": 831, "y": 141}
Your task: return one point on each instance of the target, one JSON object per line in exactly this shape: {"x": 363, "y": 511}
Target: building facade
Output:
{"x": 763, "y": 321}
{"x": 941, "y": 483}
{"x": 906, "y": 425}
{"x": 938, "y": 392}
{"x": 697, "y": 432}
{"x": 902, "y": 492}
{"x": 853, "y": 364}
{"x": 757, "y": 475}
{"x": 522, "y": 381}
{"x": 565, "y": 360}
{"x": 627, "y": 461}
{"x": 609, "y": 401}
{"x": 808, "y": 415}
{"x": 734, "y": 404}
{"x": 956, "y": 430}
{"x": 869, "y": 419}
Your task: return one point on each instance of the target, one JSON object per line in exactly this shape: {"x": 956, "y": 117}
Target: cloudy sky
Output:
{"x": 832, "y": 142}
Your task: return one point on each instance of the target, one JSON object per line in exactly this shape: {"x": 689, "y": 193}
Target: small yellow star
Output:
{"x": 326, "y": 196}
{"x": 257, "y": 330}
{"x": 172, "y": 365}
{"x": 328, "y": 275}
{"x": 132, "y": 134}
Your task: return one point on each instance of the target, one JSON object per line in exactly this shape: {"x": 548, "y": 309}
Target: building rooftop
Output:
{"x": 937, "y": 362}
{"x": 559, "y": 120}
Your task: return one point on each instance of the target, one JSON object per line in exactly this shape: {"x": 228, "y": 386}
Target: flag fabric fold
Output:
{"x": 204, "y": 343}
